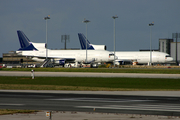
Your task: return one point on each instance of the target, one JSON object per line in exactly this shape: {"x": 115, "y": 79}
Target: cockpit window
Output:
{"x": 168, "y": 56}
{"x": 111, "y": 54}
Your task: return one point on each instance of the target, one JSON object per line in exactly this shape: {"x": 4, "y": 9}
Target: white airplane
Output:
{"x": 37, "y": 51}
{"x": 136, "y": 57}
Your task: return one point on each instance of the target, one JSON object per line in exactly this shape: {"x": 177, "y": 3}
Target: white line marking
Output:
{"x": 148, "y": 107}
{"x": 99, "y": 100}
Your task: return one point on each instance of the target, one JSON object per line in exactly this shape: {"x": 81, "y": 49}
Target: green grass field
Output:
{"x": 104, "y": 70}
{"x": 88, "y": 83}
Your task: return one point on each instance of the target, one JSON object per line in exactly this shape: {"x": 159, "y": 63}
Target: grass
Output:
{"x": 88, "y": 83}
{"x": 9, "y": 111}
{"x": 102, "y": 70}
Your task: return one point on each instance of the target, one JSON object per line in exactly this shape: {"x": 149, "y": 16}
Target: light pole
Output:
{"x": 64, "y": 38}
{"x": 86, "y": 21}
{"x": 46, "y": 18}
{"x": 114, "y": 17}
{"x": 151, "y": 24}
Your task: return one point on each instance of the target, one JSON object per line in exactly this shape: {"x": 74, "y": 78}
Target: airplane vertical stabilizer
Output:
{"x": 82, "y": 40}
{"x": 24, "y": 42}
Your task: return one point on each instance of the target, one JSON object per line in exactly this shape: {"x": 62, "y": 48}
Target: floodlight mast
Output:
{"x": 65, "y": 38}
{"x": 114, "y": 17}
{"x": 86, "y": 21}
{"x": 46, "y": 18}
{"x": 151, "y": 24}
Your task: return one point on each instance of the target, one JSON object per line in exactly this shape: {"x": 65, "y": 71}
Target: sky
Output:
{"x": 66, "y": 16}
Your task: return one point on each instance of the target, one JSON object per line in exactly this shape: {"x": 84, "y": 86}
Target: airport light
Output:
{"x": 114, "y": 17}
{"x": 65, "y": 38}
{"x": 86, "y": 21}
{"x": 151, "y": 24}
{"x": 46, "y": 18}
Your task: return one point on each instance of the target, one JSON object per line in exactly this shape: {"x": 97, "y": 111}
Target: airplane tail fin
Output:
{"x": 24, "y": 42}
{"x": 82, "y": 40}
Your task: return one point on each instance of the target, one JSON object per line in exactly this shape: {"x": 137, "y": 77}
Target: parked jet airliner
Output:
{"x": 37, "y": 51}
{"x": 133, "y": 56}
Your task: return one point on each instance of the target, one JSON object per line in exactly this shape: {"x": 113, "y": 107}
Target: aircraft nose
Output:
{"x": 112, "y": 58}
{"x": 169, "y": 59}
{"x": 115, "y": 58}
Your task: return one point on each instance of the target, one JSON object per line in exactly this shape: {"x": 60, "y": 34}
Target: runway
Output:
{"x": 126, "y": 104}
{"x": 87, "y": 74}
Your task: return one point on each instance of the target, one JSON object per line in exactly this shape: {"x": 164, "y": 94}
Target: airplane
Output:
{"x": 135, "y": 57}
{"x": 37, "y": 51}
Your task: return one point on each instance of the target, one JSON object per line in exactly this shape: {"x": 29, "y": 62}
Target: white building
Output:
{"x": 169, "y": 46}
{"x": 173, "y": 51}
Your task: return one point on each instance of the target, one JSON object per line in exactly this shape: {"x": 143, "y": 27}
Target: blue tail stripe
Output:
{"x": 24, "y": 42}
{"x": 82, "y": 40}
{"x": 30, "y": 47}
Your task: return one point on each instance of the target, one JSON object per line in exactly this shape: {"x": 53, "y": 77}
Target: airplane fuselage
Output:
{"x": 143, "y": 57}
{"x": 75, "y": 55}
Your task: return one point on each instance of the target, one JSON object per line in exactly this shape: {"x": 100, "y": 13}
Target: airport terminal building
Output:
{"x": 171, "y": 47}
{"x": 13, "y": 59}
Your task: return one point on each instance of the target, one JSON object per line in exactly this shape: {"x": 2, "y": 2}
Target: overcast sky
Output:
{"x": 132, "y": 30}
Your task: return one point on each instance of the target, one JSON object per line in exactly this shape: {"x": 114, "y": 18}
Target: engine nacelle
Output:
{"x": 99, "y": 47}
{"x": 37, "y": 59}
{"x": 61, "y": 62}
